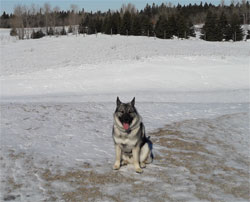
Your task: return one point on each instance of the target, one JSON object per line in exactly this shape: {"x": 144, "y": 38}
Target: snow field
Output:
{"x": 57, "y": 100}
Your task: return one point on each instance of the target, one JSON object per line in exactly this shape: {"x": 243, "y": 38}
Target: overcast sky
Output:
{"x": 94, "y": 5}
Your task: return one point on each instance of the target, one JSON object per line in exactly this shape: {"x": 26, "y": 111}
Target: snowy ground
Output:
{"x": 57, "y": 100}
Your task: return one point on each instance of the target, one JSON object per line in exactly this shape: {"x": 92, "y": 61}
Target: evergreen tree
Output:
{"x": 5, "y": 20}
{"x": 91, "y": 26}
{"x": 81, "y": 27}
{"x": 136, "y": 26}
{"x": 146, "y": 26}
{"x": 160, "y": 27}
{"x": 222, "y": 27}
{"x": 98, "y": 24}
{"x": 248, "y": 34}
{"x": 107, "y": 24}
{"x": 209, "y": 30}
{"x": 37, "y": 34}
{"x": 50, "y": 31}
{"x": 126, "y": 24}
{"x": 112, "y": 23}
{"x": 148, "y": 11}
{"x": 115, "y": 23}
{"x": 182, "y": 28}
{"x": 163, "y": 29}
{"x": 173, "y": 25}
{"x": 235, "y": 31}
{"x": 63, "y": 31}
{"x": 190, "y": 31}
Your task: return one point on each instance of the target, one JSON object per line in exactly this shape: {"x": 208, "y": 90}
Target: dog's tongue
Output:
{"x": 125, "y": 126}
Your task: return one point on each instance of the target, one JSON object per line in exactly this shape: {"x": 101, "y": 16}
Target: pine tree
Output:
{"x": 209, "y": 30}
{"x": 50, "y": 31}
{"x": 148, "y": 11}
{"x": 190, "y": 31}
{"x": 37, "y": 34}
{"x": 99, "y": 24}
{"x": 112, "y": 23}
{"x": 172, "y": 25}
{"x": 107, "y": 26}
{"x": 146, "y": 26}
{"x": 116, "y": 23}
{"x": 91, "y": 26}
{"x": 182, "y": 27}
{"x": 160, "y": 27}
{"x": 163, "y": 29}
{"x": 236, "y": 29}
{"x": 248, "y": 34}
{"x": 136, "y": 26}
{"x": 63, "y": 31}
{"x": 126, "y": 24}
{"x": 222, "y": 27}
{"x": 81, "y": 27}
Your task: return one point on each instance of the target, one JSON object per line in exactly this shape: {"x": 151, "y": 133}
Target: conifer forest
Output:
{"x": 218, "y": 22}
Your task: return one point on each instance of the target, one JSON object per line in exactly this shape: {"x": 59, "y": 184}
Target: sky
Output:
{"x": 94, "y": 5}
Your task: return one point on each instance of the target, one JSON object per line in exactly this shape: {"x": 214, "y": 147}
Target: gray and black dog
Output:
{"x": 131, "y": 143}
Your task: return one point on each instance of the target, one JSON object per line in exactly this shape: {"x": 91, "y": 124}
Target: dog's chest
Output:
{"x": 125, "y": 139}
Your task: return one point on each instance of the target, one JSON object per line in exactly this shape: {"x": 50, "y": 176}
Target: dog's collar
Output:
{"x": 133, "y": 126}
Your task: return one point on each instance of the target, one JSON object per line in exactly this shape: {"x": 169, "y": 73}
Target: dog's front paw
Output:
{"x": 143, "y": 165}
{"x": 116, "y": 166}
{"x": 138, "y": 170}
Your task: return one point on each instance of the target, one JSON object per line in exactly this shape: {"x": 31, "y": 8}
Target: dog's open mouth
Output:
{"x": 125, "y": 126}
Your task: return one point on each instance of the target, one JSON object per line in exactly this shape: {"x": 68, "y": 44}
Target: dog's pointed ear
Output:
{"x": 118, "y": 102}
{"x": 133, "y": 102}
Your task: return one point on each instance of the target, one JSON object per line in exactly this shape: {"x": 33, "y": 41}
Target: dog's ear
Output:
{"x": 118, "y": 102}
{"x": 133, "y": 102}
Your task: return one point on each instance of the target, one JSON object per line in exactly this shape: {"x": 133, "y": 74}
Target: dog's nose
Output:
{"x": 126, "y": 118}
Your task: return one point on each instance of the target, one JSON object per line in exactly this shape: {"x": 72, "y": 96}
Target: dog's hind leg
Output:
{"x": 144, "y": 155}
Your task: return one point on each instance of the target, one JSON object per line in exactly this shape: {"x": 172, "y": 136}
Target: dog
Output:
{"x": 131, "y": 144}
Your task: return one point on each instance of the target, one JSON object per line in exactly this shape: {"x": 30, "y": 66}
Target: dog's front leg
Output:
{"x": 118, "y": 153}
{"x": 136, "y": 154}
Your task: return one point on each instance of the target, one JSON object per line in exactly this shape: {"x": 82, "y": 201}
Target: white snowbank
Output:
{"x": 92, "y": 66}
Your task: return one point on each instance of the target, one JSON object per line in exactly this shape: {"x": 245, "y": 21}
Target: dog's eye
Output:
{"x": 131, "y": 111}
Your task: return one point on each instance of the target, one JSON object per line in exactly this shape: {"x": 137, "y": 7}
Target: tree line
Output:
{"x": 221, "y": 22}
{"x": 218, "y": 27}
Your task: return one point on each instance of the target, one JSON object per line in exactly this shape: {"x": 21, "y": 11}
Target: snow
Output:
{"x": 57, "y": 99}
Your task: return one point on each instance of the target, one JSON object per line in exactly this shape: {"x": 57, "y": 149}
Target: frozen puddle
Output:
{"x": 64, "y": 151}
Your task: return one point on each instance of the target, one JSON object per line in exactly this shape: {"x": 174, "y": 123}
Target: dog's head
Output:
{"x": 126, "y": 113}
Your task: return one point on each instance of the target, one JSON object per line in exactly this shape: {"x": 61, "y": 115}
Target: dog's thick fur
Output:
{"x": 131, "y": 143}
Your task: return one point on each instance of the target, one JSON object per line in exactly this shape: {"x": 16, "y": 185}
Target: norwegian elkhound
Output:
{"x": 131, "y": 143}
